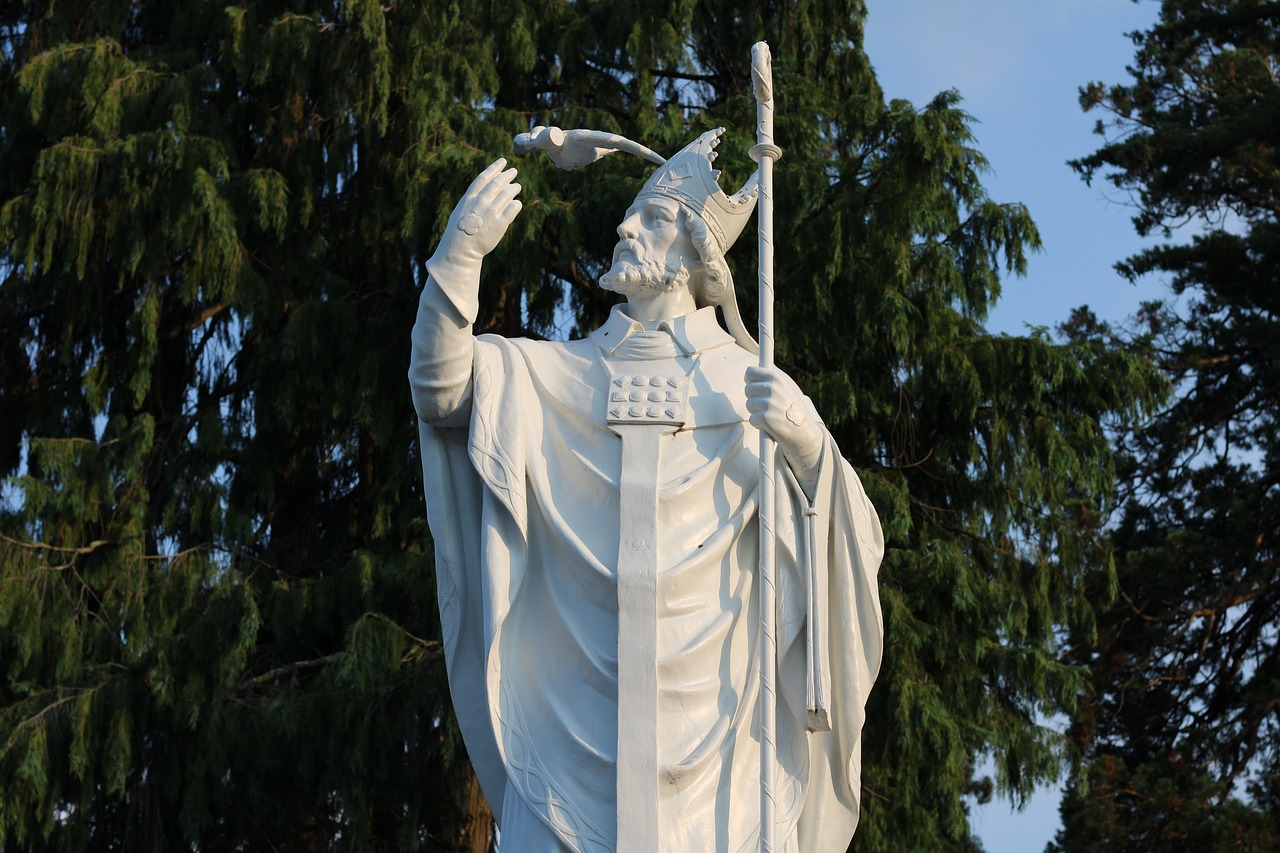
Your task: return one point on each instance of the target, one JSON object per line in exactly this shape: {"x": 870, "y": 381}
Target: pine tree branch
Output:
{"x": 428, "y": 645}
{"x": 658, "y": 72}
{"x": 286, "y": 670}
{"x": 201, "y": 318}
{"x": 291, "y": 669}
{"x": 73, "y": 553}
{"x": 37, "y": 717}
{"x": 41, "y": 546}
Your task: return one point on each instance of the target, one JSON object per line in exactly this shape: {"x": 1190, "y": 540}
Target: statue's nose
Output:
{"x": 627, "y": 228}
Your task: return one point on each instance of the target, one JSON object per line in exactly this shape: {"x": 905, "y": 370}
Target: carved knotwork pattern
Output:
{"x": 536, "y": 784}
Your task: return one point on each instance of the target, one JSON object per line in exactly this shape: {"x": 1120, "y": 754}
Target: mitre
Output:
{"x": 689, "y": 178}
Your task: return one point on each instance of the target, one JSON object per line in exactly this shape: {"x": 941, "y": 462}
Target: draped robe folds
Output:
{"x": 522, "y": 480}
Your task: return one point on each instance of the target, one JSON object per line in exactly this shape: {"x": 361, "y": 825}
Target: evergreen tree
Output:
{"x": 1181, "y": 724}
{"x": 215, "y": 575}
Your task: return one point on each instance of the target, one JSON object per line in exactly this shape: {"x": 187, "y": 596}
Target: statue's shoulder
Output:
{"x": 729, "y": 361}
{"x": 557, "y": 355}
{"x": 537, "y": 350}
{"x": 569, "y": 372}
{"x": 734, "y": 353}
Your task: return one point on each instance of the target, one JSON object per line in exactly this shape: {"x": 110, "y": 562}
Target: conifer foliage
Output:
{"x": 1181, "y": 725}
{"x": 216, "y": 581}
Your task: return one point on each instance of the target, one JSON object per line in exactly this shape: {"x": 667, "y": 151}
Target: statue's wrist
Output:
{"x": 806, "y": 465}
{"x": 457, "y": 274}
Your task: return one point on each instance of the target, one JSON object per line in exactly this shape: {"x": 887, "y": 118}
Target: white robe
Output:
{"x": 523, "y": 502}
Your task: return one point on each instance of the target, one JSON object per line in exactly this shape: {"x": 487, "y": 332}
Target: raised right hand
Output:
{"x": 483, "y": 214}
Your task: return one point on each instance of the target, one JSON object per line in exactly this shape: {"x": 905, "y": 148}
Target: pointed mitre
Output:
{"x": 688, "y": 177}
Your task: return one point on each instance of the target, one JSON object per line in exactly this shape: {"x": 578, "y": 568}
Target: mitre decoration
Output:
{"x": 690, "y": 178}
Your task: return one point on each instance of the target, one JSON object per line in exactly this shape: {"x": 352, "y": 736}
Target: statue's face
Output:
{"x": 654, "y": 251}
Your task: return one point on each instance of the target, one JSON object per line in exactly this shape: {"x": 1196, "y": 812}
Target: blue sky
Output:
{"x": 1019, "y": 65}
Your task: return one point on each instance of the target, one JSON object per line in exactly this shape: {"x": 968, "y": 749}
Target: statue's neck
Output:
{"x": 650, "y": 310}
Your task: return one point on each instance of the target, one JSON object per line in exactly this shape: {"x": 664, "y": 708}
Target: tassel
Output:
{"x": 817, "y": 679}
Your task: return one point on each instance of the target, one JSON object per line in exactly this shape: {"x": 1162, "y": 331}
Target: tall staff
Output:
{"x": 765, "y": 152}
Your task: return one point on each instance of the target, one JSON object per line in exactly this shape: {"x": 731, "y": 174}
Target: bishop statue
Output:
{"x": 595, "y": 509}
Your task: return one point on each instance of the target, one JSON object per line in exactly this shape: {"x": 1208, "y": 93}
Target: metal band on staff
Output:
{"x": 766, "y": 152}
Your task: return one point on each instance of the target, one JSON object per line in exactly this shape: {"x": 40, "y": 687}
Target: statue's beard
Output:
{"x": 644, "y": 275}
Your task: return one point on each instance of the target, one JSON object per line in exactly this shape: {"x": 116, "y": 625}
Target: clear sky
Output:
{"x": 1019, "y": 65}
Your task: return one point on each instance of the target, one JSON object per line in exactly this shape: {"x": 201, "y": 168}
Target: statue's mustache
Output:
{"x": 627, "y": 244}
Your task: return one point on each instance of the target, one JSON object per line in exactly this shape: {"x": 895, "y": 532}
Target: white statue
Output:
{"x": 594, "y": 508}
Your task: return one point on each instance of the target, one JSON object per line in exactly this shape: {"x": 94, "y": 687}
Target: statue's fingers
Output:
{"x": 502, "y": 180}
{"x": 509, "y": 192}
{"x": 491, "y": 170}
{"x": 510, "y": 211}
{"x": 760, "y": 422}
{"x": 498, "y": 184}
{"x": 484, "y": 180}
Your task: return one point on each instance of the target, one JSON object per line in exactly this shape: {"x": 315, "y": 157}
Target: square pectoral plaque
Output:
{"x": 639, "y": 398}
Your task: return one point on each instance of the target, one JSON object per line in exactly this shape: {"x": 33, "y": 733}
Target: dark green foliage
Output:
{"x": 217, "y": 589}
{"x": 1181, "y": 725}
{"x": 215, "y": 577}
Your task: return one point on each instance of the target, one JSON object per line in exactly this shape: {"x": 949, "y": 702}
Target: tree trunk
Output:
{"x": 477, "y": 834}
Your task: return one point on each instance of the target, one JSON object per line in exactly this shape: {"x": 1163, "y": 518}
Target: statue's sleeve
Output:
{"x": 474, "y": 485}
{"x": 443, "y": 347}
